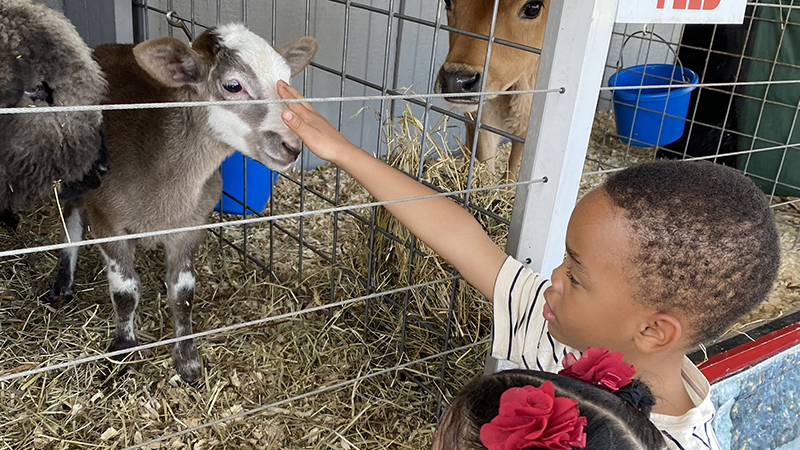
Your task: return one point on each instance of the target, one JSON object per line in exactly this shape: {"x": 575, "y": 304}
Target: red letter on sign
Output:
{"x": 695, "y": 4}
{"x": 660, "y": 4}
{"x": 679, "y": 4}
{"x": 711, "y": 4}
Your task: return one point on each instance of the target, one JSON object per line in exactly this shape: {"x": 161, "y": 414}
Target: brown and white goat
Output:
{"x": 165, "y": 161}
{"x": 519, "y": 21}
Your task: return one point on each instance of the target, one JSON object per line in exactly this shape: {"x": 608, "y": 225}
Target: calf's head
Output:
{"x": 232, "y": 63}
{"x": 519, "y": 21}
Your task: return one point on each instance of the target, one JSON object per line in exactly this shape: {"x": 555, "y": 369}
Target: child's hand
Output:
{"x": 317, "y": 133}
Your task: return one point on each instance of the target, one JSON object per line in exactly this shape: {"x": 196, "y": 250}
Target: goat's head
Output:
{"x": 519, "y": 21}
{"x": 232, "y": 63}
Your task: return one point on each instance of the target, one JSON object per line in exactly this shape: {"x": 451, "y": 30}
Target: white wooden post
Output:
{"x": 574, "y": 54}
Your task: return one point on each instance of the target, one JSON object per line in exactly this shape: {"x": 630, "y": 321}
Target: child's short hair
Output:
{"x": 708, "y": 245}
{"x": 611, "y": 421}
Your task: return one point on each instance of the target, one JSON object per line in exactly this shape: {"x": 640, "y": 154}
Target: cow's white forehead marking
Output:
{"x": 256, "y": 53}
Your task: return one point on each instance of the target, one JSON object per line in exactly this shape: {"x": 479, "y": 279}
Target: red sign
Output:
{"x": 681, "y": 11}
{"x": 690, "y": 4}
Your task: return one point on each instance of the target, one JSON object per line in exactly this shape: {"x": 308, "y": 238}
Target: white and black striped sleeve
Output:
{"x": 518, "y": 323}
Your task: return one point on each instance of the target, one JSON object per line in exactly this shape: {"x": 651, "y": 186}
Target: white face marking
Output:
{"x": 229, "y": 128}
{"x": 270, "y": 67}
{"x": 256, "y": 53}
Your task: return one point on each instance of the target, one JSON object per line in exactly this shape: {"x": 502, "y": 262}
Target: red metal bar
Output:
{"x": 751, "y": 353}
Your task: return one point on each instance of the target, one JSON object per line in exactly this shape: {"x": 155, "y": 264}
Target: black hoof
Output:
{"x": 58, "y": 297}
{"x": 184, "y": 354}
{"x": 121, "y": 344}
{"x": 196, "y": 384}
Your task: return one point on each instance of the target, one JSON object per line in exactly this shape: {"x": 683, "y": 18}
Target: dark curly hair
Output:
{"x": 614, "y": 420}
{"x": 707, "y": 243}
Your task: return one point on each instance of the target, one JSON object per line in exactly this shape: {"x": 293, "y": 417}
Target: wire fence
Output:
{"x": 613, "y": 153}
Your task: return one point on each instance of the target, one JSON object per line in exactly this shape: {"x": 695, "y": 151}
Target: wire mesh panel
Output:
{"x": 742, "y": 112}
{"x": 320, "y": 320}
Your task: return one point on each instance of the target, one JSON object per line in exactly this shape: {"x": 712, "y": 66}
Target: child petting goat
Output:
{"x": 662, "y": 256}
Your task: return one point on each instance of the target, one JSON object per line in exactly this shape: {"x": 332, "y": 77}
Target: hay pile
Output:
{"x": 84, "y": 407}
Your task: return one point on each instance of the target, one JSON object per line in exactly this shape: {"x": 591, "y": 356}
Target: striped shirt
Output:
{"x": 520, "y": 339}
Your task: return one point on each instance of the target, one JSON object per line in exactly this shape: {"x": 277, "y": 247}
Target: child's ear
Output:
{"x": 659, "y": 334}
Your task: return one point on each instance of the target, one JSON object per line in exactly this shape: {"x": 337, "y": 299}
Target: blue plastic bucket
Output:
{"x": 653, "y": 103}
{"x": 259, "y": 185}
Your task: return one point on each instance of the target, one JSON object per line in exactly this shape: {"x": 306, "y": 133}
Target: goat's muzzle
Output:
{"x": 292, "y": 149}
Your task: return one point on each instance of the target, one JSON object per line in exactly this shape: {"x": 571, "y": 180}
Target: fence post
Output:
{"x": 573, "y": 56}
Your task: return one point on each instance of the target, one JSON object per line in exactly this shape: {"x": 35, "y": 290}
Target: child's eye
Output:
{"x": 571, "y": 278}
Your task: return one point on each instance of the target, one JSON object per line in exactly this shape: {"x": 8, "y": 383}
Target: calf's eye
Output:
{"x": 532, "y": 9}
{"x": 232, "y": 86}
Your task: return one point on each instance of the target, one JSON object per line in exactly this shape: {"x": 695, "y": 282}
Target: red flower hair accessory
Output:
{"x": 600, "y": 367}
{"x": 535, "y": 417}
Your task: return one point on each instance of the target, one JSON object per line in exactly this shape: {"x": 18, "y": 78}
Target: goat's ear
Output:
{"x": 298, "y": 53}
{"x": 170, "y": 62}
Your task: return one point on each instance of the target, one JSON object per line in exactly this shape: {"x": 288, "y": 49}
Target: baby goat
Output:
{"x": 164, "y": 162}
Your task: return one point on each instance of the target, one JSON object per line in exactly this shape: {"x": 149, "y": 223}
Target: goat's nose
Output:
{"x": 293, "y": 148}
{"x": 458, "y": 81}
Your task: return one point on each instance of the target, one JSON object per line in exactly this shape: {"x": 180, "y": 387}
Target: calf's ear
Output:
{"x": 299, "y": 53}
{"x": 170, "y": 62}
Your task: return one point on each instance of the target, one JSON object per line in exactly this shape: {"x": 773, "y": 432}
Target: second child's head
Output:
{"x": 540, "y": 410}
{"x": 662, "y": 256}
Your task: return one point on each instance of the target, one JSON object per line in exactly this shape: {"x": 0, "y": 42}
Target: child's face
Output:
{"x": 591, "y": 302}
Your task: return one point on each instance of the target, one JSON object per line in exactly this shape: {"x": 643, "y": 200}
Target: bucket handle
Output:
{"x": 662, "y": 40}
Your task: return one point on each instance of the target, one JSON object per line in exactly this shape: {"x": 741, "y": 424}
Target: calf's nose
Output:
{"x": 460, "y": 81}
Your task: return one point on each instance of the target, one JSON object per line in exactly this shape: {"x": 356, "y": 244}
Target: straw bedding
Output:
{"x": 90, "y": 406}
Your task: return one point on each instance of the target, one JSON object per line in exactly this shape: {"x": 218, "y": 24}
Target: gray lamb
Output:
{"x": 44, "y": 62}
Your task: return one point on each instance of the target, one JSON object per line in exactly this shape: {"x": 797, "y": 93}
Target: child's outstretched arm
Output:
{"x": 439, "y": 222}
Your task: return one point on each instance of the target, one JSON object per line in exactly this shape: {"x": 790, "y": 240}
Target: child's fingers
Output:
{"x": 296, "y": 124}
{"x": 287, "y": 92}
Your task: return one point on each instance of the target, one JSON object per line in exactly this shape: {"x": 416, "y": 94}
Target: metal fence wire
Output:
{"x": 323, "y": 322}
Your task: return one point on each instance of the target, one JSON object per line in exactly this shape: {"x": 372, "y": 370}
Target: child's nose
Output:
{"x": 557, "y": 279}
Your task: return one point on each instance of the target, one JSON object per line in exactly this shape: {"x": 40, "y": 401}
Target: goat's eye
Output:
{"x": 532, "y": 9}
{"x": 447, "y": 5}
{"x": 232, "y": 86}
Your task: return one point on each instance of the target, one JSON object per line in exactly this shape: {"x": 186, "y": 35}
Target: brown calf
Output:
{"x": 519, "y": 21}
{"x": 165, "y": 161}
